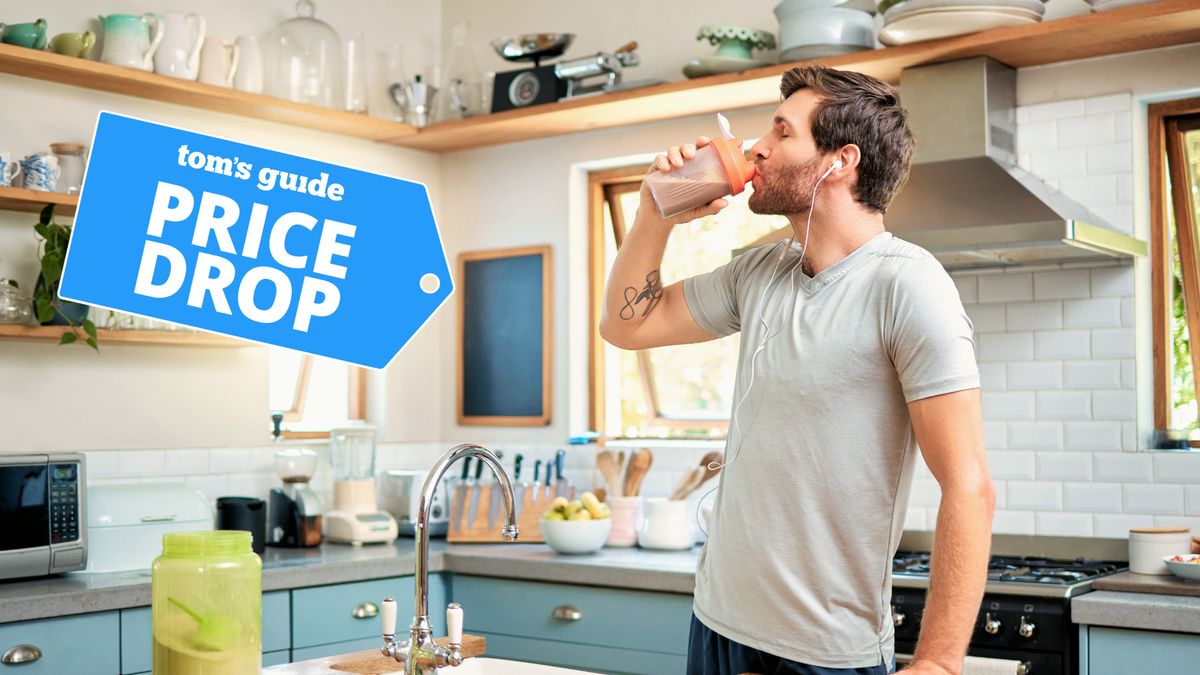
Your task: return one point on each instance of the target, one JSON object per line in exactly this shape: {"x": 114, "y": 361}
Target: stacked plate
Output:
{"x": 810, "y": 29}
{"x": 1105, "y": 5}
{"x": 908, "y": 21}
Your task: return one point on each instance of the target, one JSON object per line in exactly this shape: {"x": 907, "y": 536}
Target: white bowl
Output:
{"x": 829, "y": 26}
{"x": 1185, "y": 570}
{"x": 576, "y": 536}
{"x": 789, "y": 7}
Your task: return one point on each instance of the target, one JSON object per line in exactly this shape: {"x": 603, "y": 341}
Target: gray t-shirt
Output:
{"x": 809, "y": 513}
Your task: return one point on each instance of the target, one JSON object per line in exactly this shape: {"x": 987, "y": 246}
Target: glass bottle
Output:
{"x": 464, "y": 86}
{"x": 306, "y": 64}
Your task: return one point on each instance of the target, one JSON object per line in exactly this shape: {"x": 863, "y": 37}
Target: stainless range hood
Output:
{"x": 966, "y": 201}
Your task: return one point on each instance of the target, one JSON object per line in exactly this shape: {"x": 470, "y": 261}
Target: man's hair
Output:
{"x": 859, "y": 109}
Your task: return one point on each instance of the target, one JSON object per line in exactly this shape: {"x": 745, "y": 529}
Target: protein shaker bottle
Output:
{"x": 717, "y": 170}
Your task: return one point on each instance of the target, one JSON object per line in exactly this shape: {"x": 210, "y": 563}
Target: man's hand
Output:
{"x": 676, "y": 155}
{"x": 926, "y": 667}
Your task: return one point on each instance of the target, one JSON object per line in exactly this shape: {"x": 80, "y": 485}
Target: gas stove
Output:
{"x": 1016, "y": 575}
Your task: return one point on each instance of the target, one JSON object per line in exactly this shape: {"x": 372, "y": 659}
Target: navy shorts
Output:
{"x": 713, "y": 654}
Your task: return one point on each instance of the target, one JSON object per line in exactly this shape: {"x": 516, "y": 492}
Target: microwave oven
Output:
{"x": 43, "y": 508}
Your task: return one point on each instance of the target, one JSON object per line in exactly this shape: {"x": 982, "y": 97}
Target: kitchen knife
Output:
{"x": 549, "y": 479}
{"x": 518, "y": 487}
{"x": 475, "y": 489}
{"x": 460, "y": 492}
{"x": 494, "y": 496}
{"x": 537, "y": 478}
{"x": 561, "y": 485}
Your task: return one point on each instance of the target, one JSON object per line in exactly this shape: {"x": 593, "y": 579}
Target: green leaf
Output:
{"x": 89, "y": 327}
{"x": 45, "y": 310}
{"x": 91, "y": 342}
{"x": 51, "y": 268}
{"x": 67, "y": 338}
{"x": 40, "y": 228}
{"x": 47, "y": 213}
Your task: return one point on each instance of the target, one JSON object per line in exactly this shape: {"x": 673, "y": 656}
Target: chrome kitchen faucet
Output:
{"x": 419, "y": 654}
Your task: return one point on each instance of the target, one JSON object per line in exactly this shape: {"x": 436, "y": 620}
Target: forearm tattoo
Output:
{"x": 651, "y": 293}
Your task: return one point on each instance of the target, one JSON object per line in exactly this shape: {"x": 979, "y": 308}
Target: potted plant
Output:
{"x": 50, "y": 309}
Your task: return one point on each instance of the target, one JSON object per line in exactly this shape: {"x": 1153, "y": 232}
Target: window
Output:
{"x": 1175, "y": 210}
{"x": 669, "y": 392}
{"x": 314, "y": 394}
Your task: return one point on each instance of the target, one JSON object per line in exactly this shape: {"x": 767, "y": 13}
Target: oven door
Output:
{"x": 25, "y": 512}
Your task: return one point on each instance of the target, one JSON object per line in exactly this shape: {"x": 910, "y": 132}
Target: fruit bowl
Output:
{"x": 1184, "y": 566}
{"x": 576, "y": 536}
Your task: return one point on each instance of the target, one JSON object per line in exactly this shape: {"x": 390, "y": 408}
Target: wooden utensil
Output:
{"x": 690, "y": 481}
{"x": 606, "y": 462}
{"x": 635, "y": 473}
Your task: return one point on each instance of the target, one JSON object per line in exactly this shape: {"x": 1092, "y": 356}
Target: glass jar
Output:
{"x": 305, "y": 57}
{"x": 72, "y": 158}
{"x": 15, "y": 306}
{"x": 206, "y": 604}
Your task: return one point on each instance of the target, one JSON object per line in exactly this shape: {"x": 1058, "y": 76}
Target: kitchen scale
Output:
{"x": 356, "y": 517}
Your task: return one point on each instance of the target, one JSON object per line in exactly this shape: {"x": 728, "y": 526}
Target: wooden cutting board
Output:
{"x": 372, "y": 662}
{"x": 1147, "y": 583}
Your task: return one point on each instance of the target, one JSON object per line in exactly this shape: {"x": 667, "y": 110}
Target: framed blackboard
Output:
{"x": 504, "y": 319}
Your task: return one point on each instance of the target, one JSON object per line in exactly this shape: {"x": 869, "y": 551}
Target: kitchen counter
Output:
{"x": 1145, "y": 611}
{"x": 1163, "y": 584}
{"x": 80, "y": 593}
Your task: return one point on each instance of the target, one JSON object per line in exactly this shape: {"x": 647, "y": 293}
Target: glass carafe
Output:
{"x": 353, "y": 451}
{"x": 464, "y": 83}
{"x": 305, "y": 56}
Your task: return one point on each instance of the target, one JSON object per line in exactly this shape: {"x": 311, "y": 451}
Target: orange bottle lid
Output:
{"x": 738, "y": 171}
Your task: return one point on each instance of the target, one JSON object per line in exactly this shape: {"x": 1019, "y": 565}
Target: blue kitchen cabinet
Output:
{"x": 1120, "y": 651}
{"x": 606, "y": 629}
{"x": 87, "y": 643}
{"x": 276, "y": 658}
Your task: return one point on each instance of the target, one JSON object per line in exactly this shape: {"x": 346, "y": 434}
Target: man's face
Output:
{"x": 786, "y": 160}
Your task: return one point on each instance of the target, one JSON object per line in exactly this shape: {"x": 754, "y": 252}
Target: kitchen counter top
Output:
{"x": 1165, "y": 584}
{"x": 1146, "y": 611}
{"x": 79, "y": 593}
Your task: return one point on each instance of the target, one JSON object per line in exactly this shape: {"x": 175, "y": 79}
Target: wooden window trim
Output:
{"x": 356, "y": 407}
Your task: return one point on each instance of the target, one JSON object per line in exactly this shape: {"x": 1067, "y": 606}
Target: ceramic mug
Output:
{"x": 249, "y": 75}
{"x": 41, "y": 172}
{"x": 218, "y": 62}
{"x": 32, "y": 35}
{"x": 128, "y": 41}
{"x": 78, "y": 45}
{"x": 666, "y": 526}
{"x": 179, "y": 53}
{"x": 8, "y": 169}
{"x": 626, "y": 519}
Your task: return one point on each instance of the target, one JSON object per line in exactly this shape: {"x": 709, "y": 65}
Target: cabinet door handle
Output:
{"x": 365, "y": 610}
{"x": 567, "y": 613}
{"x": 21, "y": 654}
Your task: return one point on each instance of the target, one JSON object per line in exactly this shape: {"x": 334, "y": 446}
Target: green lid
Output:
{"x": 205, "y": 544}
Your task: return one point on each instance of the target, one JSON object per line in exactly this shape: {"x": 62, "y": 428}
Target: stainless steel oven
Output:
{"x": 43, "y": 509}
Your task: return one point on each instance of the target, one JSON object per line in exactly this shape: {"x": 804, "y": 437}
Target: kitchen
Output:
{"x": 1065, "y": 354}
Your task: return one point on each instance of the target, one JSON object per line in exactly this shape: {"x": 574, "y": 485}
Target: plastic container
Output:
{"x": 1148, "y": 546}
{"x": 206, "y": 605}
{"x": 717, "y": 170}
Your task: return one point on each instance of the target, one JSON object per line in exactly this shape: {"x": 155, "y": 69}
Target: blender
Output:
{"x": 295, "y": 510}
{"x": 356, "y": 518}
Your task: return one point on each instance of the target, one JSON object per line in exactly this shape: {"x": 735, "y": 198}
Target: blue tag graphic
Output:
{"x": 254, "y": 243}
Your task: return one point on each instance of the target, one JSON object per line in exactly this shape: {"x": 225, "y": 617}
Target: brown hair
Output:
{"x": 859, "y": 109}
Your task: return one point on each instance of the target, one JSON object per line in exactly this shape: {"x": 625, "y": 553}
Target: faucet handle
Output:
{"x": 454, "y": 623}
{"x": 389, "y": 616}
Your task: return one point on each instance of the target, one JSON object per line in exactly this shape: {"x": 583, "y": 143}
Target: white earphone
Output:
{"x": 837, "y": 164}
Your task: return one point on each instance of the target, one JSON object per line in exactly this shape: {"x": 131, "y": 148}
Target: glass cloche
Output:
{"x": 305, "y": 60}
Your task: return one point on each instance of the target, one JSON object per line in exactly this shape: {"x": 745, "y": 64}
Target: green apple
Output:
{"x": 581, "y": 514}
{"x": 553, "y": 514}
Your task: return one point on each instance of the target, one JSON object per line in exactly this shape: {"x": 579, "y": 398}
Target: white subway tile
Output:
{"x": 1124, "y": 187}
{"x": 1129, "y": 435}
{"x": 1035, "y": 435}
{"x": 1119, "y": 216}
{"x": 1086, "y": 130}
{"x": 102, "y": 464}
{"x": 1113, "y": 103}
{"x": 136, "y": 463}
{"x": 1005, "y": 346}
{"x": 1034, "y": 315}
{"x": 1054, "y": 110}
{"x": 1092, "y": 374}
{"x": 1064, "y": 405}
{"x": 1157, "y": 498}
{"x": 1022, "y": 115}
{"x": 1035, "y": 495}
{"x": 1119, "y": 404}
{"x": 1124, "y": 126}
{"x": 186, "y": 462}
{"x": 1023, "y": 159}
{"x": 1063, "y": 344}
{"x": 995, "y": 434}
{"x": 914, "y": 519}
{"x": 1177, "y": 467}
{"x": 1064, "y": 524}
{"x": 991, "y": 376}
{"x": 1064, "y": 163}
{"x": 1112, "y": 343}
{"x": 1109, "y": 158}
{"x": 1053, "y": 465}
{"x": 924, "y": 493}
{"x": 1192, "y": 500}
{"x": 1011, "y": 464}
{"x": 1000, "y": 489}
{"x": 239, "y": 460}
{"x": 1092, "y": 435}
{"x": 1005, "y": 405}
{"x": 968, "y": 289}
{"x": 1035, "y": 375}
{"x": 1090, "y": 190}
{"x": 1012, "y": 522}
{"x": 1117, "y": 526}
{"x": 986, "y": 318}
{"x": 1062, "y": 285}
{"x": 1128, "y": 312}
{"x": 1178, "y": 521}
{"x": 1005, "y": 287}
{"x": 1093, "y": 313}
{"x": 1092, "y": 497}
{"x": 1037, "y": 136}
{"x": 1123, "y": 467}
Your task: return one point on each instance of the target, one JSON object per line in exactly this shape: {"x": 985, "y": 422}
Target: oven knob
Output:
{"x": 992, "y": 625}
{"x": 897, "y": 618}
{"x": 1026, "y": 628}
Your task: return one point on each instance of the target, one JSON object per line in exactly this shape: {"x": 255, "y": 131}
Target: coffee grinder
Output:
{"x": 295, "y": 509}
{"x": 356, "y": 518}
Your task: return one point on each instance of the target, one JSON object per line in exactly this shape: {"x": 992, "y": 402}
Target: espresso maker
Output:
{"x": 295, "y": 510}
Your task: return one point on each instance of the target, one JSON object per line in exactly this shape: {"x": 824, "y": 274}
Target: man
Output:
{"x": 855, "y": 350}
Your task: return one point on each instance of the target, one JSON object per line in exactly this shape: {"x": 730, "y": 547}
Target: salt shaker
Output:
{"x": 717, "y": 170}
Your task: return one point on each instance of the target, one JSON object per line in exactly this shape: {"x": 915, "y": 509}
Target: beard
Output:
{"x": 786, "y": 190}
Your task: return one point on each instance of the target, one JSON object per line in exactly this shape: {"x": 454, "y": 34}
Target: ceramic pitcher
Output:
{"x": 218, "y": 62}
{"x": 128, "y": 40}
{"x": 179, "y": 53}
{"x": 249, "y": 75}
{"x": 32, "y": 35}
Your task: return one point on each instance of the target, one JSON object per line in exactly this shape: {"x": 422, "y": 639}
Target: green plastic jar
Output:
{"x": 206, "y": 604}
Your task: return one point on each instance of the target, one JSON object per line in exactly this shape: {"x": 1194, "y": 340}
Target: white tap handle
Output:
{"x": 454, "y": 623}
{"x": 388, "y": 611}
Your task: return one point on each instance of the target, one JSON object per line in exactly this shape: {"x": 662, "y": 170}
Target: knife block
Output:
{"x": 465, "y": 530}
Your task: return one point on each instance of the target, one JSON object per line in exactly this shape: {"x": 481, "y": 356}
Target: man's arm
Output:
{"x": 949, "y": 429}
{"x": 639, "y": 313}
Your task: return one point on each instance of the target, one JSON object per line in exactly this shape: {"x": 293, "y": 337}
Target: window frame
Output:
{"x": 356, "y": 408}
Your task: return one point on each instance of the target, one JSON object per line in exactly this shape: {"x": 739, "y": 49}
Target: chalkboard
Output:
{"x": 504, "y": 323}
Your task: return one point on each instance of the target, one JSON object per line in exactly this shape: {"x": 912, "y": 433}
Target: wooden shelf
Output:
{"x": 33, "y": 201}
{"x": 109, "y": 336}
{"x": 106, "y": 77}
{"x": 1159, "y": 24}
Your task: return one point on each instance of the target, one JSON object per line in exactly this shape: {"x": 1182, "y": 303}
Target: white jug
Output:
{"x": 179, "y": 53}
{"x": 249, "y": 75}
{"x": 218, "y": 62}
{"x": 128, "y": 41}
